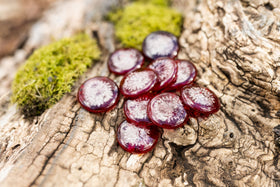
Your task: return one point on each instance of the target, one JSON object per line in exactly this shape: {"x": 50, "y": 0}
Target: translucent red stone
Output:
{"x": 98, "y": 94}
{"x": 123, "y": 61}
{"x": 167, "y": 111}
{"x": 135, "y": 110}
{"x": 160, "y": 44}
{"x": 186, "y": 74}
{"x": 139, "y": 82}
{"x": 199, "y": 101}
{"x": 166, "y": 69}
{"x": 136, "y": 139}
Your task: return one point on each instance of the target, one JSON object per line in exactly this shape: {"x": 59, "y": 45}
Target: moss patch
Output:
{"x": 51, "y": 71}
{"x": 137, "y": 20}
{"x": 165, "y": 3}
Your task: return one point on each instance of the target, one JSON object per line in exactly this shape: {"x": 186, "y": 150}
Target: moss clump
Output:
{"x": 136, "y": 21}
{"x": 51, "y": 71}
{"x": 156, "y": 2}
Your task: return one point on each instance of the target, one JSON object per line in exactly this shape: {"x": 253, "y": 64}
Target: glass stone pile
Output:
{"x": 159, "y": 92}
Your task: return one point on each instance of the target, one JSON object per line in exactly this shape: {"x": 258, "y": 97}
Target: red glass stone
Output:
{"x": 160, "y": 44}
{"x": 123, "y": 61}
{"x": 166, "y": 69}
{"x": 167, "y": 111}
{"x": 136, "y": 139}
{"x": 98, "y": 94}
{"x": 186, "y": 74}
{"x": 199, "y": 101}
{"x": 138, "y": 82}
{"x": 135, "y": 110}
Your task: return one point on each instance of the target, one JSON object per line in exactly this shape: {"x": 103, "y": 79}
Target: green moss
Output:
{"x": 155, "y": 2}
{"x": 136, "y": 21}
{"x": 51, "y": 71}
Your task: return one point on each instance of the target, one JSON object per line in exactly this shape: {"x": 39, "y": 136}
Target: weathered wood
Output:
{"x": 235, "y": 47}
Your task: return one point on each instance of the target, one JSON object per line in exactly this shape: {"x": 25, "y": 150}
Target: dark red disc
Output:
{"x": 136, "y": 139}
{"x": 137, "y": 83}
{"x": 135, "y": 110}
{"x": 160, "y": 44}
{"x": 186, "y": 74}
{"x": 98, "y": 94}
{"x": 123, "y": 61}
{"x": 167, "y": 111}
{"x": 200, "y": 101}
{"x": 166, "y": 69}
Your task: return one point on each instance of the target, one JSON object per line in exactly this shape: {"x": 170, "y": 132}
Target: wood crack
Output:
{"x": 58, "y": 151}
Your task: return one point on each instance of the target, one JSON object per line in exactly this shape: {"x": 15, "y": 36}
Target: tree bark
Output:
{"x": 235, "y": 47}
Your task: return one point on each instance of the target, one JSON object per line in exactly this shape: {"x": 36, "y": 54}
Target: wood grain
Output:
{"x": 235, "y": 47}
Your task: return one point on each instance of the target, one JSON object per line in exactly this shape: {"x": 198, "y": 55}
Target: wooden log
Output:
{"x": 235, "y": 47}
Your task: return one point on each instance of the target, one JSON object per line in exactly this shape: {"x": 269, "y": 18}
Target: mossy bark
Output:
{"x": 235, "y": 47}
{"x": 51, "y": 71}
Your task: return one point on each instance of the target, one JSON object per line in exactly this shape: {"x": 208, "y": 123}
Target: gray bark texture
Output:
{"x": 235, "y": 45}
